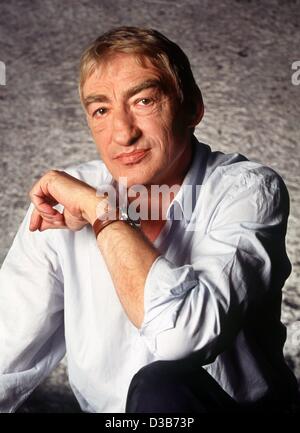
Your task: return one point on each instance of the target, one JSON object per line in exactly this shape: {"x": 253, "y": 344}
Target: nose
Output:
{"x": 125, "y": 131}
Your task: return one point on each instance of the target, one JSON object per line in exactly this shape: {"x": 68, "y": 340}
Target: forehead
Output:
{"x": 120, "y": 70}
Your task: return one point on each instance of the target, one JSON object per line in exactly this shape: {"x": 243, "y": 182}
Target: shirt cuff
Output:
{"x": 164, "y": 292}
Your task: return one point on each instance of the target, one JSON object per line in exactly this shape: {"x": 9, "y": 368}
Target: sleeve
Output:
{"x": 240, "y": 260}
{"x": 31, "y": 315}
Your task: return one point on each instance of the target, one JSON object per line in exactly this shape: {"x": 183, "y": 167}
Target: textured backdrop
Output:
{"x": 241, "y": 53}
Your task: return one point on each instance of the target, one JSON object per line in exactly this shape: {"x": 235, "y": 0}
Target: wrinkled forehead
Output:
{"x": 123, "y": 61}
{"x": 100, "y": 66}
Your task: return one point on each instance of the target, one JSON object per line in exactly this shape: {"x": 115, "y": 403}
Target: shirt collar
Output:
{"x": 185, "y": 200}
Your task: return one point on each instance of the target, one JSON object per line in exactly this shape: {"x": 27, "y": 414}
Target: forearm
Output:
{"x": 126, "y": 251}
{"x": 128, "y": 256}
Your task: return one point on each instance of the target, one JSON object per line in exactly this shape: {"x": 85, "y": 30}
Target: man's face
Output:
{"x": 138, "y": 128}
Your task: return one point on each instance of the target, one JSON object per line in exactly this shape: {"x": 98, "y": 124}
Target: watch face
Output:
{"x": 123, "y": 215}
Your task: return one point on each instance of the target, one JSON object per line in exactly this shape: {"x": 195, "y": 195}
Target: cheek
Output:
{"x": 101, "y": 138}
{"x": 155, "y": 129}
{"x": 98, "y": 129}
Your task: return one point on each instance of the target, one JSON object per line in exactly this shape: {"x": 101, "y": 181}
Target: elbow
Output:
{"x": 186, "y": 338}
{"x": 174, "y": 344}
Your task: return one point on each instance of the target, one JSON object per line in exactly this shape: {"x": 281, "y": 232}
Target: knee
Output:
{"x": 151, "y": 375}
{"x": 150, "y": 389}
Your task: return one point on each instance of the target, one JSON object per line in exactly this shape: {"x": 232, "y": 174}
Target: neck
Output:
{"x": 158, "y": 203}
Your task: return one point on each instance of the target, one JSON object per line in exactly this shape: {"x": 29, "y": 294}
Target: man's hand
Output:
{"x": 123, "y": 247}
{"x": 78, "y": 198}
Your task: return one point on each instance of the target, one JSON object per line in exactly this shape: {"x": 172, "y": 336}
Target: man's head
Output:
{"x": 140, "y": 94}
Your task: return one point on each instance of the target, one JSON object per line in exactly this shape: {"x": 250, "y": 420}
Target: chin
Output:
{"x": 138, "y": 177}
{"x": 136, "y": 180}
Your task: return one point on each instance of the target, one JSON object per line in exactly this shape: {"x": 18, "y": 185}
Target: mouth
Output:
{"x": 133, "y": 157}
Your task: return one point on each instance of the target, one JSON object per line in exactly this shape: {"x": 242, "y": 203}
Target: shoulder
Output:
{"x": 241, "y": 188}
{"x": 234, "y": 173}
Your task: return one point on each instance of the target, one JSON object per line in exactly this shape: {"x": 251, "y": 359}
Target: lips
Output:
{"x": 132, "y": 157}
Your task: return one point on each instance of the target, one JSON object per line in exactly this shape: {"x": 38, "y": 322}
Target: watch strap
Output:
{"x": 100, "y": 223}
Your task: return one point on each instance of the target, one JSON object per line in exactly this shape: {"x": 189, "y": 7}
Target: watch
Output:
{"x": 110, "y": 217}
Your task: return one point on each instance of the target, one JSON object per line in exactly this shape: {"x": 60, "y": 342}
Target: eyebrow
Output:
{"x": 127, "y": 94}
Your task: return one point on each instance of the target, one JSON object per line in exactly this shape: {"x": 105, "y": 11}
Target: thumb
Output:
{"x": 45, "y": 225}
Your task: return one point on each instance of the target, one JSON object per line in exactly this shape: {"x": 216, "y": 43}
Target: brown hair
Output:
{"x": 164, "y": 54}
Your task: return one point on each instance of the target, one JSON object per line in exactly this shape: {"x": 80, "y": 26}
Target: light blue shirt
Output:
{"x": 215, "y": 289}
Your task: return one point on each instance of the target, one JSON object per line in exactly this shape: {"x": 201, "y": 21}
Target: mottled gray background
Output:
{"x": 241, "y": 53}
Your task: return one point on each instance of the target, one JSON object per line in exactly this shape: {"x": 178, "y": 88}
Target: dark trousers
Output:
{"x": 183, "y": 387}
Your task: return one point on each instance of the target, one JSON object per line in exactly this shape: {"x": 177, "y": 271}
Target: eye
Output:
{"x": 145, "y": 101}
{"x": 100, "y": 112}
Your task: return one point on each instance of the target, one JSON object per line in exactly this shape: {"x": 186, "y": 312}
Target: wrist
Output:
{"x": 111, "y": 215}
{"x": 89, "y": 211}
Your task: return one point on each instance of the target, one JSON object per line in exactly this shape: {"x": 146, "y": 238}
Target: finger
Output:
{"x": 45, "y": 225}
{"x": 41, "y": 198}
{"x": 57, "y": 216}
{"x": 45, "y": 208}
{"x": 52, "y": 220}
{"x": 56, "y": 221}
{"x": 35, "y": 221}
{"x": 41, "y": 203}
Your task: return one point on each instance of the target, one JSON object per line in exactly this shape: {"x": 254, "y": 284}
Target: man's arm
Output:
{"x": 201, "y": 305}
{"x": 128, "y": 256}
{"x": 126, "y": 251}
{"x": 31, "y": 315}
{"x": 240, "y": 266}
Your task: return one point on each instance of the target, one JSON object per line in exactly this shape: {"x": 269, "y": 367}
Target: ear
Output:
{"x": 197, "y": 110}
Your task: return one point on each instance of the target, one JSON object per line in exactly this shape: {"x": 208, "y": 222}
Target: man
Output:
{"x": 180, "y": 313}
